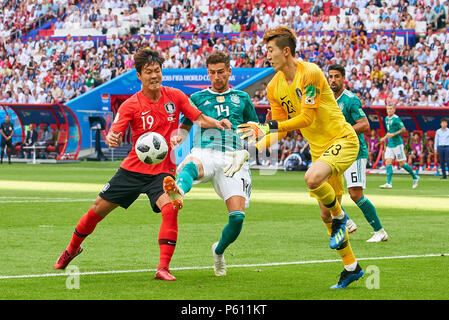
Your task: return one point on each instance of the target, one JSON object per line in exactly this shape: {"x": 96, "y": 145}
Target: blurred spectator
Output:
{"x": 365, "y": 47}
{"x": 430, "y": 17}
{"x": 301, "y": 146}
{"x": 373, "y": 147}
{"x": 416, "y": 152}
{"x": 45, "y": 139}
{"x": 30, "y": 140}
{"x": 287, "y": 147}
{"x": 431, "y": 155}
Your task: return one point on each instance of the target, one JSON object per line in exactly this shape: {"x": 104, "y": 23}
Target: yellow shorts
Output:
{"x": 339, "y": 155}
{"x": 337, "y": 184}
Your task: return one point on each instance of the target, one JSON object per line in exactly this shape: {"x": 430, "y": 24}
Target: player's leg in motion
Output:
{"x": 370, "y": 214}
{"x": 409, "y": 169}
{"x": 389, "y": 169}
{"x": 355, "y": 177}
{"x": 334, "y": 218}
{"x": 230, "y": 232}
{"x": 404, "y": 165}
{"x": 352, "y": 270}
{"x": 350, "y": 224}
{"x": 192, "y": 170}
{"x": 85, "y": 227}
{"x": 316, "y": 179}
{"x": 168, "y": 235}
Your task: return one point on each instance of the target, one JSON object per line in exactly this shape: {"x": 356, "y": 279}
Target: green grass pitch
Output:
{"x": 281, "y": 254}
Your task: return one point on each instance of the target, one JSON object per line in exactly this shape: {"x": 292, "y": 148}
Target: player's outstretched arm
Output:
{"x": 303, "y": 120}
{"x": 208, "y": 122}
{"x": 253, "y": 130}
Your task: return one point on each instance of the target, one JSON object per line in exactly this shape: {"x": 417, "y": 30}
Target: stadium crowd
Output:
{"x": 381, "y": 67}
{"x": 17, "y": 18}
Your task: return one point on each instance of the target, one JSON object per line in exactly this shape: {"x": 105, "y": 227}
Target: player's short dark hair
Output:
{"x": 147, "y": 56}
{"x": 283, "y": 36}
{"x": 443, "y": 119}
{"x": 339, "y": 68}
{"x": 218, "y": 57}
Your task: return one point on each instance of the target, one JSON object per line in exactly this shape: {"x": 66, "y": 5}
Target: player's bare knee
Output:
{"x": 355, "y": 194}
{"x": 103, "y": 207}
{"x": 312, "y": 180}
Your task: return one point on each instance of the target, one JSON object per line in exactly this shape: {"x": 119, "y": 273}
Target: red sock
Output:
{"x": 168, "y": 234}
{"x": 85, "y": 226}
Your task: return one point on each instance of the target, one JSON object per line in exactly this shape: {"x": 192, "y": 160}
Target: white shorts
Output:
{"x": 213, "y": 163}
{"x": 355, "y": 175}
{"x": 395, "y": 153}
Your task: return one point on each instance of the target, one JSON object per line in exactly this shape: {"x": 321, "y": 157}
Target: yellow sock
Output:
{"x": 326, "y": 195}
{"x": 345, "y": 251}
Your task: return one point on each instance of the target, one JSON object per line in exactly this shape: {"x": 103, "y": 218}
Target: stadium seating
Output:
{"x": 146, "y": 15}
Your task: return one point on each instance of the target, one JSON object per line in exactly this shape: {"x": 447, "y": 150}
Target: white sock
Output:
{"x": 340, "y": 216}
{"x": 351, "y": 267}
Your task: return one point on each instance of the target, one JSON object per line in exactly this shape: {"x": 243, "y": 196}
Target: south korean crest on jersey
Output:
{"x": 310, "y": 94}
{"x": 235, "y": 99}
{"x": 170, "y": 107}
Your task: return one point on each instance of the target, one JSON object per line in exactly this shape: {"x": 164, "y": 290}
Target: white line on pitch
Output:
{"x": 210, "y": 267}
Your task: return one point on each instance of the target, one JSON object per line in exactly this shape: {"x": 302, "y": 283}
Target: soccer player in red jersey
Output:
{"x": 155, "y": 108}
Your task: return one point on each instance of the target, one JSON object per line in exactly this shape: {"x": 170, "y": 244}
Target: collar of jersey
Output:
{"x": 148, "y": 100}
{"x": 336, "y": 99}
{"x": 218, "y": 93}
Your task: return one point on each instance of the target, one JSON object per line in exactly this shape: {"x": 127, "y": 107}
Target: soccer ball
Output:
{"x": 151, "y": 148}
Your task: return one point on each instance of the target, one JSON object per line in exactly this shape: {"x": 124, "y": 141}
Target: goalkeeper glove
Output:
{"x": 238, "y": 159}
{"x": 254, "y": 130}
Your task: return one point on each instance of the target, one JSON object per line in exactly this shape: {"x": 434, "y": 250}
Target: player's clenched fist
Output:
{"x": 176, "y": 140}
{"x": 113, "y": 139}
{"x": 224, "y": 124}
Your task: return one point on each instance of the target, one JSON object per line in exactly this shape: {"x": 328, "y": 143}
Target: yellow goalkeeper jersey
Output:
{"x": 309, "y": 89}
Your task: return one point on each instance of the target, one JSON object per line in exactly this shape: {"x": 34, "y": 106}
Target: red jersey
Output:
{"x": 144, "y": 115}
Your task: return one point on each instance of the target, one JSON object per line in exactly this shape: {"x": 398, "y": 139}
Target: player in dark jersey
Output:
{"x": 154, "y": 108}
{"x": 6, "y": 130}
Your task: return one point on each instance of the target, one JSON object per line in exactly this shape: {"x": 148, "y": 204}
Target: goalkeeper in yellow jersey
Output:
{"x": 300, "y": 98}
